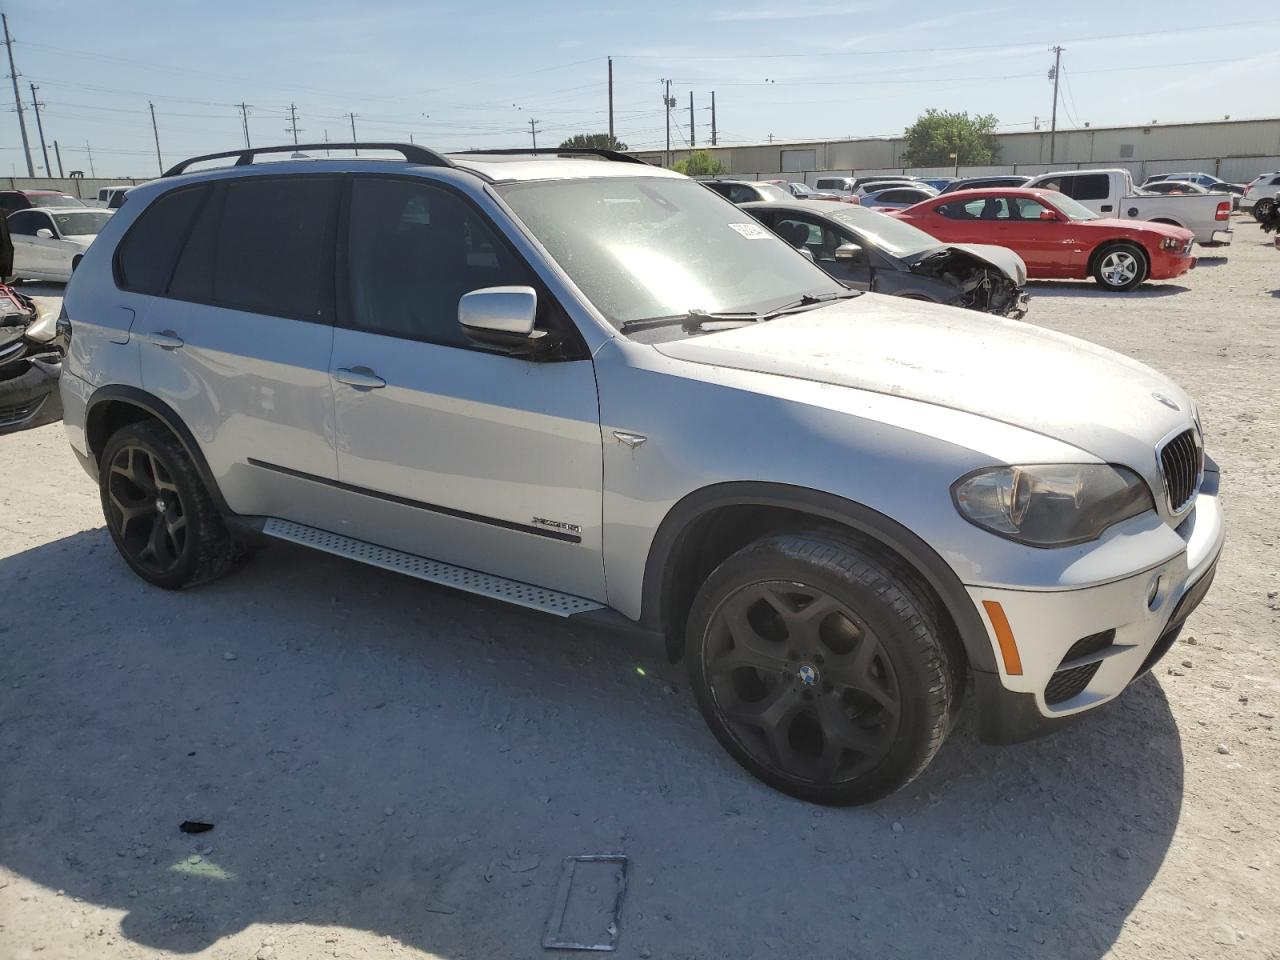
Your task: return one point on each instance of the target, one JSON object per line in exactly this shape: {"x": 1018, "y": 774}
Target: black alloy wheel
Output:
{"x": 146, "y": 510}
{"x": 802, "y": 682}
{"x": 821, "y": 666}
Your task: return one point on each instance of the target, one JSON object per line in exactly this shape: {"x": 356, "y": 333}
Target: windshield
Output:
{"x": 81, "y": 224}
{"x": 1071, "y": 209}
{"x": 650, "y": 247}
{"x": 892, "y": 236}
{"x": 54, "y": 200}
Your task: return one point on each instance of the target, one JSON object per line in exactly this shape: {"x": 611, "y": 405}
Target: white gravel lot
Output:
{"x": 396, "y": 770}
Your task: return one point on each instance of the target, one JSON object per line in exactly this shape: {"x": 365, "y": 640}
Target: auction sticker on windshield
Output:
{"x": 752, "y": 231}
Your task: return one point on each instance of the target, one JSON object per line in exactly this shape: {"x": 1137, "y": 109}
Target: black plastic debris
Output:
{"x": 195, "y": 826}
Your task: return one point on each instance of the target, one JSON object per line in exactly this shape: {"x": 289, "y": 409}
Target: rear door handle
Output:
{"x": 362, "y": 378}
{"x": 165, "y": 340}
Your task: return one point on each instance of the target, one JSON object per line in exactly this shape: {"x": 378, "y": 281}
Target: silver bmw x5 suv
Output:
{"x": 592, "y": 387}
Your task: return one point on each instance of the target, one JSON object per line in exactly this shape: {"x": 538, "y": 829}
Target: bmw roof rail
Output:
{"x": 600, "y": 152}
{"x": 410, "y": 151}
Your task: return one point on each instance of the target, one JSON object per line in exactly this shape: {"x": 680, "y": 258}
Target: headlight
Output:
{"x": 1171, "y": 243}
{"x": 1051, "y": 505}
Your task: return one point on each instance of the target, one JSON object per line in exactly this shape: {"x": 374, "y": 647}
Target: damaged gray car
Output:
{"x": 867, "y": 250}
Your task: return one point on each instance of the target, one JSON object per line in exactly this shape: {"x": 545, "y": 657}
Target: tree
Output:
{"x": 700, "y": 163}
{"x": 593, "y": 141}
{"x": 937, "y": 134}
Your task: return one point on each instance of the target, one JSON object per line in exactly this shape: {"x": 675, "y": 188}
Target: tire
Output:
{"x": 1262, "y": 210}
{"x": 1120, "y": 266}
{"x": 158, "y": 511}
{"x": 819, "y": 669}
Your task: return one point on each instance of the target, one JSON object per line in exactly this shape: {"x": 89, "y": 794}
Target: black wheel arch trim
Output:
{"x": 871, "y": 523}
{"x": 157, "y": 408}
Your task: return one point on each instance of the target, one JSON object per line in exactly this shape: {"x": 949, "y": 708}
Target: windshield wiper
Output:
{"x": 690, "y": 320}
{"x": 810, "y": 300}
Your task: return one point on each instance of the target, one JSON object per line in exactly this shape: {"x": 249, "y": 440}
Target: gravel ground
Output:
{"x": 397, "y": 771}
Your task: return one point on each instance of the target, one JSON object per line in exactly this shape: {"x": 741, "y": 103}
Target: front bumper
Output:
{"x": 1122, "y": 632}
{"x": 31, "y": 398}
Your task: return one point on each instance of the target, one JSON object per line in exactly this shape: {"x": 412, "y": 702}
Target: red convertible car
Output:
{"x": 1057, "y": 237}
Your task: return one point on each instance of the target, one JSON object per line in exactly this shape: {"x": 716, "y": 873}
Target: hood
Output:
{"x": 1074, "y": 391}
{"x": 1142, "y": 226}
{"x": 1002, "y": 258}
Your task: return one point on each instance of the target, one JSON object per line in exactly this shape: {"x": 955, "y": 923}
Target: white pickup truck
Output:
{"x": 1111, "y": 193}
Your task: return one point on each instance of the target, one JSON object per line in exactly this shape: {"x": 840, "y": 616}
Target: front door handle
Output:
{"x": 362, "y": 378}
{"x": 165, "y": 340}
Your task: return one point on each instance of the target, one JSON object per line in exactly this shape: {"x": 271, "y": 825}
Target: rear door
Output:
{"x": 239, "y": 341}
{"x": 446, "y": 450}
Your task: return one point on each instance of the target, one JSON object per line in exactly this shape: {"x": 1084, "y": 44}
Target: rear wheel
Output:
{"x": 1262, "y": 210}
{"x": 819, "y": 669}
{"x": 158, "y": 512}
{"x": 1120, "y": 266}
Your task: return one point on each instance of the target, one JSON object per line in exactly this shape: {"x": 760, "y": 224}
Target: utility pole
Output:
{"x": 326, "y": 140}
{"x": 36, "y": 105}
{"x": 692, "y": 136}
{"x": 667, "y": 103}
{"x": 58, "y": 153}
{"x": 352, "y": 118}
{"x": 89, "y": 150}
{"x": 1053, "y": 75}
{"x": 533, "y": 130}
{"x": 17, "y": 99}
{"x": 713, "y": 118}
{"x": 244, "y": 119}
{"x": 156, "y": 132}
{"x": 611, "y": 98}
{"x": 293, "y": 121}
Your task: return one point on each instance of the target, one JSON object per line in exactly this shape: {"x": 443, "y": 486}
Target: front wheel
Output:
{"x": 158, "y": 511}
{"x": 819, "y": 669}
{"x": 1120, "y": 266}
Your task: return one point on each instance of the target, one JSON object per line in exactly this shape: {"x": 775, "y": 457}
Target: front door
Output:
{"x": 446, "y": 450}
{"x": 33, "y": 256}
{"x": 821, "y": 240}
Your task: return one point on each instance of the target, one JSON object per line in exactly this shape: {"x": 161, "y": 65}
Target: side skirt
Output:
{"x": 433, "y": 571}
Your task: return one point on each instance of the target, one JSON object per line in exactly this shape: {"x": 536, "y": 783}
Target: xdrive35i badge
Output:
{"x": 557, "y": 525}
{"x": 1171, "y": 404}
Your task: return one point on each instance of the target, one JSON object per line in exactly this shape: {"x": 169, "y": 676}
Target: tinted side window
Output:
{"x": 1091, "y": 186}
{"x": 12, "y": 201}
{"x": 720, "y": 188}
{"x": 193, "y": 276}
{"x": 147, "y": 252}
{"x": 740, "y": 194}
{"x": 413, "y": 250}
{"x": 24, "y": 223}
{"x": 275, "y": 247}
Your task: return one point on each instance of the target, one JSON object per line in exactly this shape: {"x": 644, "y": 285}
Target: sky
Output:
{"x": 456, "y": 75}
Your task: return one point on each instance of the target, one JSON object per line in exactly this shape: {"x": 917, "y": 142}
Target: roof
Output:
{"x": 505, "y": 168}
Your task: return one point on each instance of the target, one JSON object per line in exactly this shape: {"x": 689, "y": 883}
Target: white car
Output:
{"x": 1260, "y": 196}
{"x": 48, "y": 242}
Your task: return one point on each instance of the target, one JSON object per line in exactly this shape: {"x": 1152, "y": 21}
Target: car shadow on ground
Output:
{"x": 383, "y": 755}
{"x": 1087, "y": 288}
{"x": 1217, "y": 260}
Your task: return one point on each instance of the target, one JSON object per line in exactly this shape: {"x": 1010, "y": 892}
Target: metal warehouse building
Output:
{"x": 1235, "y": 150}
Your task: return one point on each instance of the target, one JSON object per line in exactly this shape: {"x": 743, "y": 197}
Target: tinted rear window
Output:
{"x": 275, "y": 247}
{"x": 148, "y": 251}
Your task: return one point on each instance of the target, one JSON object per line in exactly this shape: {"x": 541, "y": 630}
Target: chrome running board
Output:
{"x": 433, "y": 571}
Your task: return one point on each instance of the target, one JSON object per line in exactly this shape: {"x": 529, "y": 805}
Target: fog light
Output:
{"x": 1153, "y": 592}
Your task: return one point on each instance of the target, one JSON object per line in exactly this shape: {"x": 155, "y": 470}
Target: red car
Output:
{"x": 1057, "y": 237}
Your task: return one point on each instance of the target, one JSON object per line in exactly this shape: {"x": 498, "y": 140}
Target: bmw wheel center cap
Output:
{"x": 808, "y": 675}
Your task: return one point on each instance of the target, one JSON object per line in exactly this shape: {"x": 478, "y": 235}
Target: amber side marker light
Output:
{"x": 1004, "y": 636}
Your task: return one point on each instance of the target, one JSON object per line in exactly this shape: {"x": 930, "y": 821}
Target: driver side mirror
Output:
{"x": 1048, "y": 216}
{"x": 44, "y": 233}
{"x": 503, "y": 317}
{"x": 849, "y": 251}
